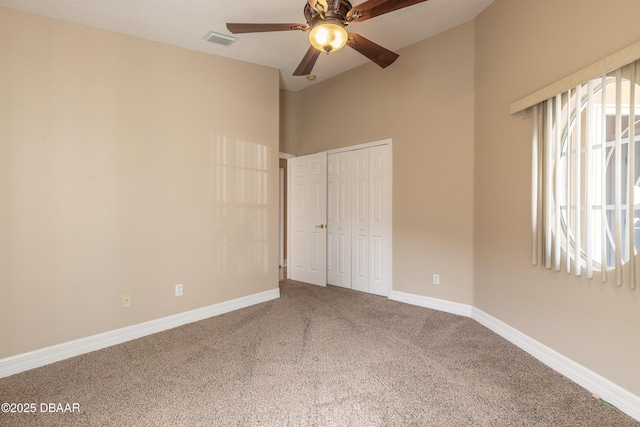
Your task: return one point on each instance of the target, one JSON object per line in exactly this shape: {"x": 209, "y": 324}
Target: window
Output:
{"x": 586, "y": 166}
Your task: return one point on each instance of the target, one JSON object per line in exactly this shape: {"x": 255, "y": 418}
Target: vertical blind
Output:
{"x": 586, "y": 178}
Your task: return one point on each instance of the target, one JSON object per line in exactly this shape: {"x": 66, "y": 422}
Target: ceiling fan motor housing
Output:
{"x": 336, "y": 11}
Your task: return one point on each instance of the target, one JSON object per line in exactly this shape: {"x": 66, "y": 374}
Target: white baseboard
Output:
{"x": 433, "y": 303}
{"x": 611, "y": 393}
{"x": 34, "y": 359}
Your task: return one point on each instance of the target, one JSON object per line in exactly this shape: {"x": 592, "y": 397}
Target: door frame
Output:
{"x": 283, "y": 213}
{"x": 388, "y": 142}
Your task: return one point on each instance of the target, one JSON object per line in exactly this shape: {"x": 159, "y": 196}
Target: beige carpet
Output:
{"x": 314, "y": 357}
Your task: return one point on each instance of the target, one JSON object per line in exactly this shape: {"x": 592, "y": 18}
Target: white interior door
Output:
{"x": 308, "y": 203}
{"x": 359, "y": 219}
{"x": 379, "y": 256}
{"x": 339, "y": 219}
{"x": 371, "y": 261}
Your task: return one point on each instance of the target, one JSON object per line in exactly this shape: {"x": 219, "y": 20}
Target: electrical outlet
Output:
{"x": 179, "y": 289}
{"x": 126, "y": 300}
{"x": 436, "y": 279}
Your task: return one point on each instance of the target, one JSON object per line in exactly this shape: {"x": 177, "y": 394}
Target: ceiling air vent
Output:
{"x": 223, "y": 39}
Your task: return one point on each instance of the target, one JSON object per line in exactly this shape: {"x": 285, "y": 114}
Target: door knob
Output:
{"x": 320, "y": 226}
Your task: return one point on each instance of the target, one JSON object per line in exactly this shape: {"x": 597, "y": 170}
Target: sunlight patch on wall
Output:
{"x": 239, "y": 181}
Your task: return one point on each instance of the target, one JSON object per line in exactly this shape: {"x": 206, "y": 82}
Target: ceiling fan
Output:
{"x": 326, "y": 22}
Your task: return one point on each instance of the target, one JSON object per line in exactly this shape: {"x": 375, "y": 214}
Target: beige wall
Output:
{"x": 113, "y": 180}
{"x": 288, "y": 121}
{"x": 288, "y": 139}
{"x": 424, "y": 102}
{"x": 592, "y": 323}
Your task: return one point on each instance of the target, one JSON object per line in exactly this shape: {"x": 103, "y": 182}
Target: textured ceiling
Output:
{"x": 184, "y": 23}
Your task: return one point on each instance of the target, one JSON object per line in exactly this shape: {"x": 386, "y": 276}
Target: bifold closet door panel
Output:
{"x": 379, "y": 224}
{"x": 360, "y": 220}
{"x": 339, "y": 219}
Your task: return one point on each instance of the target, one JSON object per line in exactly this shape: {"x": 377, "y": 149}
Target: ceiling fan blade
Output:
{"x": 372, "y": 8}
{"x": 378, "y": 54}
{"x": 307, "y": 63}
{"x": 318, "y": 5}
{"x": 260, "y": 28}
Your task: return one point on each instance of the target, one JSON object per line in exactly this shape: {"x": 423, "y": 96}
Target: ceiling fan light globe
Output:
{"x": 328, "y": 37}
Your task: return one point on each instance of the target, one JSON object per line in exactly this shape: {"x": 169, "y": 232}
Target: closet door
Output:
{"x": 308, "y": 213}
{"x": 339, "y": 220}
{"x": 360, "y": 220}
{"x": 371, "y": 219}
{"x": 379, "y": 269}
